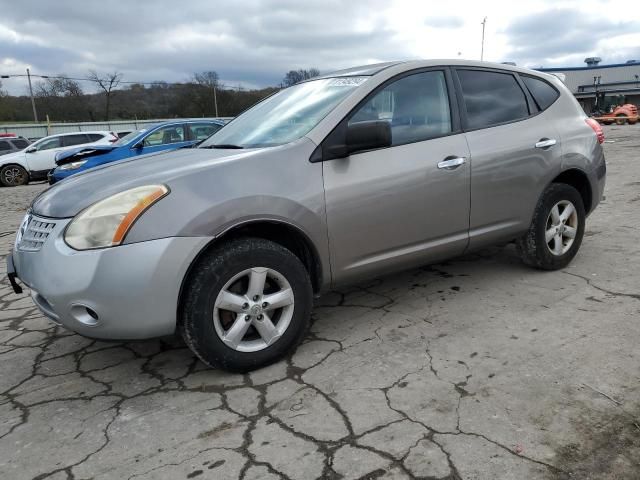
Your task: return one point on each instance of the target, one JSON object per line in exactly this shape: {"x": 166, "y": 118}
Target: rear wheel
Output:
{"x": 556, "y": 231}
{"x": 13, "y": 175}
{"x": 246, "y": 304}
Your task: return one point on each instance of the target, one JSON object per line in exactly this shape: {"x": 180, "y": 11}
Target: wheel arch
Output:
{"x": 579, "y": 180}
{"x": 283, "y": 233}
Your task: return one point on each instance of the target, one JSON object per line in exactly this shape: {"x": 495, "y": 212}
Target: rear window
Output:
{"x": 543, "y": 93}
{"x": 4, "y": 145}
{"x": 492, "y": 98}
{"x": 20, "y": 144}
{"x": 77, "y": 139}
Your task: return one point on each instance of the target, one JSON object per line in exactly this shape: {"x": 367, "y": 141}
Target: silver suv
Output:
{"x": 354, "y": 174}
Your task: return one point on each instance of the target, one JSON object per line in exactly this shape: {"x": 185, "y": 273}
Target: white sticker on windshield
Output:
{"x": 347, "y": 81}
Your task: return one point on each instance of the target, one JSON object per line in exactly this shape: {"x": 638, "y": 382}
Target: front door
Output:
{"x": 44, "y": 157}
{"x": 407, "y": 204}
{"x": 170, "y": 137}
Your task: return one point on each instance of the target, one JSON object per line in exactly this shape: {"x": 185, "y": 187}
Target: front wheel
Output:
{"x": 556, "y": 231}
{"x": 246, "y": 304}
{"x": 13, "y": 176}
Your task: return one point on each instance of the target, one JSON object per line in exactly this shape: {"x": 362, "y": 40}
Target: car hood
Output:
{"x": 68, "y": 197}
{"x": 13, "y": 156}
{"x": 71, "y": 155}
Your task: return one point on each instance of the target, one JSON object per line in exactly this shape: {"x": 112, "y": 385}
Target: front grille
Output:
{"x": 35, "y": 234}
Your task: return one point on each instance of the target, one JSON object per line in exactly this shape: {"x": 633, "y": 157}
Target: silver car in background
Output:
{"x": 347, "y": 176}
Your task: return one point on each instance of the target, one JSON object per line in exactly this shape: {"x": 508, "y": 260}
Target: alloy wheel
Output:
{"x": 13, "y": 176}
{"x": 561, "y": 227}
{"x": 253, "y": 309}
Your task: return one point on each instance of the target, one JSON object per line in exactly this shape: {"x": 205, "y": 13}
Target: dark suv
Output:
{"x": 12, "y": 144}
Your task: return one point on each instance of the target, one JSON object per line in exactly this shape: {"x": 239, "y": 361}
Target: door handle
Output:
{"x": 545, "y": 143}
{"x": 451, "y": 163}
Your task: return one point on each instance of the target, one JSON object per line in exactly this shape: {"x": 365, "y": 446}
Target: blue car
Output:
{"x": 157, "y": 138}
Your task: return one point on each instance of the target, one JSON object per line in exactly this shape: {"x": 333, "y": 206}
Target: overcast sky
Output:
{"x": 254, "y": 42}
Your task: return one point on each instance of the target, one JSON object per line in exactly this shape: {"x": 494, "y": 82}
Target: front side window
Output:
{"x": 492, "y": 98}
{"x": 48, "y": 144}
{"x": 78, "y": 139}
{"x": 543, "y": 93}
{"x": 416, "y": 106}
{"x": 201, "y": 131}
{"x": 20, "y": 143}
{"x": 286, "y": 116}
{"x": 165, "y": 136}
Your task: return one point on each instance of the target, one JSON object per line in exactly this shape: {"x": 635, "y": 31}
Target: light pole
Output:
{"x": 484, "y": 22}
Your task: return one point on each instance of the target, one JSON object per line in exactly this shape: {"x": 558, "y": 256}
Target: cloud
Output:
{"x": 444, "y": 21}
{"x": 559, "y": 34}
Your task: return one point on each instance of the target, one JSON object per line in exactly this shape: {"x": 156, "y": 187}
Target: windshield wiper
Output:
{"x": 229, "y": 146}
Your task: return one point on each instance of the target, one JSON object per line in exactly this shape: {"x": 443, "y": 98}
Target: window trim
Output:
{"x": 320, "y": 154}
{"x": 533, "y": 98}
{"x": 463, "y": 106}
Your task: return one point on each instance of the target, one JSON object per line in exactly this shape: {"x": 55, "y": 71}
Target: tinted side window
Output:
{"x": 20, "y": 144}
{"x": 94, "y": 137}
{"x": 543, "y": 93}
{"x": 49, "y": 144}
{"x": 200, "y": 131}
{"x": 69, "y": 140}
{"x": 417, "y": 106}
{"x": 4, "y": 145}
{"x": 492, "y": 98}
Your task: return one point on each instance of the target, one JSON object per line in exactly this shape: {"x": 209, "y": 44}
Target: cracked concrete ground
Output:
{"x": 478, "y": 368}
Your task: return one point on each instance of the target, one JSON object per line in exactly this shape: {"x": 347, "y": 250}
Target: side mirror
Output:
{"x": 31, "y": 149}
{"x": 368, "y": 135}
{"x": 139, "y": 145}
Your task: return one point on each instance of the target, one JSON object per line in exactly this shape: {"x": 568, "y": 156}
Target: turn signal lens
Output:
{"x": 107, "y": 222}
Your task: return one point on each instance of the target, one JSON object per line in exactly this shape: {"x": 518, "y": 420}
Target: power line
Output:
{"x": 127, "y": 82}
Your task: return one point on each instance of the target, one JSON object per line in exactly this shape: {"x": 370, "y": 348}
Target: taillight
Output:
{"x": 596, "y": 128}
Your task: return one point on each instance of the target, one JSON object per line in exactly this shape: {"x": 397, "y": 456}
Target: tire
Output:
{"x": 621, "y": 119}
{"x": 533, "y": 246}
{"x": 207, "y": 326}
{"x": 13, "y": 175}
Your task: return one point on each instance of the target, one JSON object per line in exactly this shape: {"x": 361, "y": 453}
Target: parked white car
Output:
{"x": 34, "y": 162}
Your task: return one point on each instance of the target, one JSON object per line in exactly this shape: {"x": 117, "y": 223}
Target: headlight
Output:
{"x": 106, "y": 223}
{"x": 72, "y": 165}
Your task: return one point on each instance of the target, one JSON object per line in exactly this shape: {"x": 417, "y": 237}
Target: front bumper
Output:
{"x": 125, "y": 292}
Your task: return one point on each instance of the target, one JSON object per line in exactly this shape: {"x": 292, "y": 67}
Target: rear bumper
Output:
{"x": 125, "y": 292}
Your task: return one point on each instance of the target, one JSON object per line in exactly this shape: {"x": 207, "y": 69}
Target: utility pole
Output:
{"x": 33, "y": 102}
{"x": 215, "y": 98}
{"x": 484, "y": 22}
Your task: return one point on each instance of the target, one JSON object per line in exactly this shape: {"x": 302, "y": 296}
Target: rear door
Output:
{"x": 400, "y": 206}
{"x": 515, "y": 149}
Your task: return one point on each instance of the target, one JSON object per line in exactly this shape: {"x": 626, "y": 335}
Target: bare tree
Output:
{"x": 209, "y": 80}
{"x": 294, "y": 76}
{"x": 107, "y": 83}
{"x": 59, "y": 86}
{"x": 2, "y": 92}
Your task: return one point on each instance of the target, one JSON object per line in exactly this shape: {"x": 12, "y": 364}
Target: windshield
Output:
{"x": 128, "y": 137}
{"x": 285, "y": 116}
